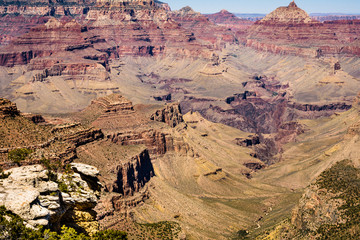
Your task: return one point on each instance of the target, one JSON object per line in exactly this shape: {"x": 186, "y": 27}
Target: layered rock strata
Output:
{"x": 290, "y": 30}
{"x": 7, "y": 108}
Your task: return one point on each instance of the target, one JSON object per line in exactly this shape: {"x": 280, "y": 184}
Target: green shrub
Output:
{"x": 52, "y": 176}
{"x": 241, "y": 234}
{"x": 110, "y": 234}
{"x": 18, "y": 155}
{"x": 63, "y": 187}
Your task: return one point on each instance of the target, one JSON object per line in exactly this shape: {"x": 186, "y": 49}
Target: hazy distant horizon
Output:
{"x": 311, "y": 14}
{"x": 348, "y": 7}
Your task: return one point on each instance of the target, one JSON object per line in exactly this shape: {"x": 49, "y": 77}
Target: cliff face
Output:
{"x": 290, "y": 30}
{"x": 133, "y": 175}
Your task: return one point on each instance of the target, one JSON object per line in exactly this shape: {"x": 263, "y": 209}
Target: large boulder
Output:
{"x": 50, "y": 199}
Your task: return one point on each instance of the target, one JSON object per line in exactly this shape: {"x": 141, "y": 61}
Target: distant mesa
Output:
{"x": 185, "y": 11}
{"x": 224, "y": 11}
{"x": 289, "y": 14}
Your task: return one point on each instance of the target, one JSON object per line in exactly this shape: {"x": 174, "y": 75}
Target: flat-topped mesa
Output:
{"x": 223, "y": 17}
{"x": 290, "y": 14}
{"x": 114, "y": 103}
{"x": 7, "y": 108}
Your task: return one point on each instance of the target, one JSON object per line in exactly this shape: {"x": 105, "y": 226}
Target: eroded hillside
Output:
{"x": 190, "y": 127}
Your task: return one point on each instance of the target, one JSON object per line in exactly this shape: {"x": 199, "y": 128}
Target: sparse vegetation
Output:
{"x": 19, "y": 155}
{"x": 110, "y": 234}
{"x": 63, "y": 187}
{"x": 161, "y": 230}
{"x": 18, "y": 131}
{"x": 343, "y": 179}
{"x": 241, "y": 234}
{"x": 53, "y": 168}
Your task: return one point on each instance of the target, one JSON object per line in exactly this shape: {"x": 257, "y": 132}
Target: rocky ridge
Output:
{"x": 230, "y": 21}
{"x": 203, "y": 29}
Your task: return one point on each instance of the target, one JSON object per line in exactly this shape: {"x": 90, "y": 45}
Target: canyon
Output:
{"x": 174, "y": 124}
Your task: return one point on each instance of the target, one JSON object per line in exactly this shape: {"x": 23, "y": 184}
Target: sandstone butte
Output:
{"x": 291, "y": 30}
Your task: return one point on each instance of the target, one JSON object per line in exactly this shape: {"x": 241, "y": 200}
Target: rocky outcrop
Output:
{"x": 166, "y": 97}
{"x": 250, "y": 141}
{"x": 40, "y": 199}
{"x": 328, "y": 208}
{"x": 171, "y": 115}
{"x": 226, "y": 18}
{"x": 83, "y": 136}
{"x": 113, "y": 104}
{"x": 35, "y": 118}
{"x": 56, "y": 143}
{"x": 7, "y": 108}
{"x": 315, "y": 208}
